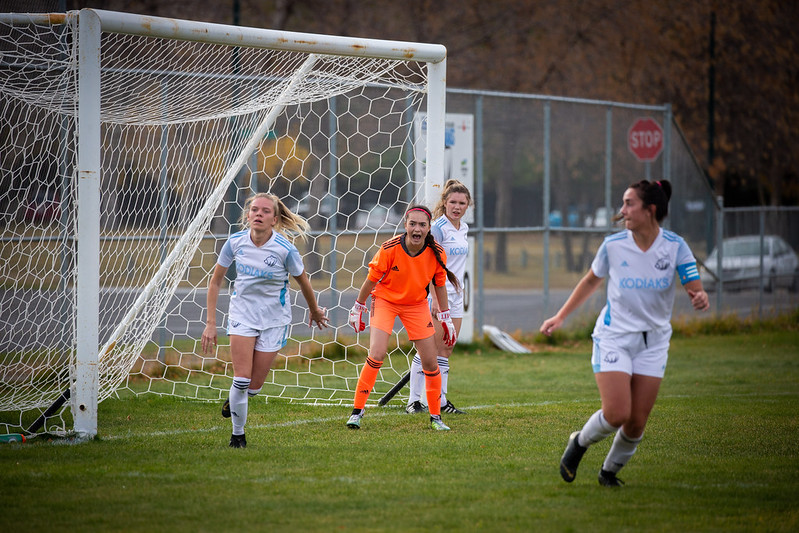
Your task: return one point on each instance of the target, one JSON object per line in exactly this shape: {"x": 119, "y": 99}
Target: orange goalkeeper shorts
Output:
{"x": 416, "y": 318}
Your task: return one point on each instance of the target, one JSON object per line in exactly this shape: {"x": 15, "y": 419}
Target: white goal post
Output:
{"x": 128, "y": 144}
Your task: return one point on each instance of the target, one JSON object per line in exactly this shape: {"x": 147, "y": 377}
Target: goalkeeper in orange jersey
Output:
{"x": 399, "y": 275}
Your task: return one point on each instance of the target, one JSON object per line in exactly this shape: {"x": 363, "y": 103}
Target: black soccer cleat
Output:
{"x": 238, "y": 441}
{"x": 415, "y": 408}
{"x": 226, "y": 409}
{"x": 451, "y": 409}
{"x": 571, "y": 458}
{"x": 609, "y": 479}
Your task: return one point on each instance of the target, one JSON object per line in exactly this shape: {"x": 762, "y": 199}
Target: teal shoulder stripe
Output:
{"x": 282, "y": 241}
{"x": 616, "y": 236}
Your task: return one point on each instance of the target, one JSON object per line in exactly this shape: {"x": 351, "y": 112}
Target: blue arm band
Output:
{"x": 687, "y": 272}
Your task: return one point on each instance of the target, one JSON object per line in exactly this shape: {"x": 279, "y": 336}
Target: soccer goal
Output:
{"x": 129, "y": 144}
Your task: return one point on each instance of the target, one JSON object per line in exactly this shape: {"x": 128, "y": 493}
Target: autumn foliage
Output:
{"x": 621, "y": 50}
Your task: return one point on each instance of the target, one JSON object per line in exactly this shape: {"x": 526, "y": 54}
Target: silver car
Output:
{"x": 741, "y": 264}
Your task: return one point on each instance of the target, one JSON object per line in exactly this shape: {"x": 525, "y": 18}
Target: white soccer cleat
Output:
{"x": 354, "y": 421}
{"x": 437, "y": 424}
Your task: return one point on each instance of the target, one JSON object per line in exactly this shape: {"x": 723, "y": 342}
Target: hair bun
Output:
{"x": 666, "y": 186}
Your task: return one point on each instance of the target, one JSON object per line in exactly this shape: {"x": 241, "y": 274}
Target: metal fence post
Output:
{"x": 480, "y": 213}
{"x": 720, "y": 255}
{"x": 547, "y": 178}
{"x": 761, "y": 231}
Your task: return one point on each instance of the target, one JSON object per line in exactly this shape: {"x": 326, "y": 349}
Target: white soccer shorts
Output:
{"x": 455, "y": 300}
{"x": 633, "y": 353}
{"x": 268, "y": 340}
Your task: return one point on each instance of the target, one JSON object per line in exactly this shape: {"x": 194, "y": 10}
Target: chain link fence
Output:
{"x": 549, "y": 175}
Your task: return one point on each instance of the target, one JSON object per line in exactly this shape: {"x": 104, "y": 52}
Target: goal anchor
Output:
{"x": 50, "y": 411}
{"x": 395, "y": 389}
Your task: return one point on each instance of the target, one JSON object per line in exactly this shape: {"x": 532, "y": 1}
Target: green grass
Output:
{"x": 719, "y": 454}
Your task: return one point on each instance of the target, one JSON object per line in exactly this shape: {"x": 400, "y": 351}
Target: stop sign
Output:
{"x": 645, "y": 139}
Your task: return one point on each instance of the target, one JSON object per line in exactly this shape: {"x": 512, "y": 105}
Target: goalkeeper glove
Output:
{"x": 356, "y": 319}
{"x": 449, "y": 328}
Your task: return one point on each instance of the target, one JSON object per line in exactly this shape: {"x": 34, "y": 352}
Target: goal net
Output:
{"x": 105, "y": 267}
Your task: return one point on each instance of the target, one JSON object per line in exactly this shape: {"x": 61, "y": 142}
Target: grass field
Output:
{"x": 719, "y": 454}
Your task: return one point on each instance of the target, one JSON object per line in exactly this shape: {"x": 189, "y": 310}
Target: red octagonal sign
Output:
{"x": 645, "y": 139}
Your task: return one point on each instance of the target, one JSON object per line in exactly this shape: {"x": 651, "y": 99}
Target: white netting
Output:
{"x": 189, "y": 130}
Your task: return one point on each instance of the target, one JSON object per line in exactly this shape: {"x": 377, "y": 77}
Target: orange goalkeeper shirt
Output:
{"x": 401, "y": 278}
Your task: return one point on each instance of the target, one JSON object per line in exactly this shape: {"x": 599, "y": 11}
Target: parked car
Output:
{"x": 601, "y": 217}
{"x": 741, "y": 264}
{"x": 378, "y": 217}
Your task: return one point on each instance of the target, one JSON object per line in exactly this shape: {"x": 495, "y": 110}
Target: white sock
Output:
{"x": 417, "y": 380}
{"x": 596, "y": 429}
{"x": 238, "y": 404}
{"x": 443, "y": 366}
{"x": 621, "y": 451}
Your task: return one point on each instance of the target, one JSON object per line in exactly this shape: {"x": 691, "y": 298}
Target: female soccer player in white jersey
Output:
{"x": 632, "y": 333}
{"x": 450, "y": 231}
{"x": 260, "y": 311}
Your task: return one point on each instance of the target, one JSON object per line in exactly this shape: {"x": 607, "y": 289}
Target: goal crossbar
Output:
{"x": 187, "y": 30}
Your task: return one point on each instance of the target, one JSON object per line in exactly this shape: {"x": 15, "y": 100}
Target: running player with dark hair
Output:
{"x": 632, "y": 333}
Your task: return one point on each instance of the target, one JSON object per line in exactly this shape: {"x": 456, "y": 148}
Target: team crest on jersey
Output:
{"x": 662, "y": 263}
{"x": 271, "y": 260}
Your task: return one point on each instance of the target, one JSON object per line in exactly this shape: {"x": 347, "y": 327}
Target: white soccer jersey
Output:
{"x": 260, "y": 296}
{"x": 455, "y": 243}
{"x": 641, "y": 284}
